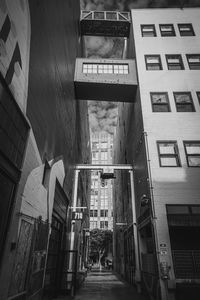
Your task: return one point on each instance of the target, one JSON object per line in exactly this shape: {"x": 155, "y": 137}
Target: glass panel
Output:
{"x": 160, "y": 108}
{"x": 177, "y": 209}
{"x": 159, "y": 98}
{"x": 168, "y": 161}
{"x": 194, "y": 161}
{"x": 153, "y": 60}
{"x": 193, "y": 148}
{"x": 167, "y": 148}
{"x": 194, "y": 59}
{"x": 183, "y": 98}
{"x": 195, "y": 209}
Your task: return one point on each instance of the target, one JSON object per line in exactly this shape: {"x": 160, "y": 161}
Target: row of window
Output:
{"x": 169, "y": 154}
{"x": 174, "y": 62}
{"x": 185, "y": 29}
{"x": 91, "y": 68}
{"x": 103, "y": 224}
{"x": 183, "y": 101}
{"x": 103, "y": 213}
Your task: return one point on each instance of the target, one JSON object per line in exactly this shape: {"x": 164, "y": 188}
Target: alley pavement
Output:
{"x": 105, "y": 285}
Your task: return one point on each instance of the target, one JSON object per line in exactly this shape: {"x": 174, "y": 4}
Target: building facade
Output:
{"x": 159, "y": 135}
{"x": 101, "y": 208}
{"x": 44, "y": 134}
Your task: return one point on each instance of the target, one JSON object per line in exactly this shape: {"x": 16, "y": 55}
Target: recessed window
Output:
{"x": 168, "y": 154}
{"x": 167, "y": 30}
{"x": 186, "y": 29}
{"x": 148, "y": 30}
{"x": 184, "y": 102}
{"x": 153, "y": 62}
{"x": 192, "y": 151}
{"x": 160, "y": 102}
{"x": 193, "y": 61}
{"x": 174, "y": 62}
{"x": 105, "y": 68}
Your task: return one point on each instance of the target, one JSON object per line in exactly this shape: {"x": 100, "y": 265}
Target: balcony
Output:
{"x": 105, "y": 23}
{"x": 105, "y": 79}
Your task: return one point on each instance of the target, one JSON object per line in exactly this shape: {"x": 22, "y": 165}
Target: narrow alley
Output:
{"x": 106, "y": 285}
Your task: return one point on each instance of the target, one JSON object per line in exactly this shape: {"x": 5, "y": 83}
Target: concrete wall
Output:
{"x": 59, "y": 123}
{"x": 177, "y": 185}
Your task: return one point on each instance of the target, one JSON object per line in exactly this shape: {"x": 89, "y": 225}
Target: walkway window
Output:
{"x": 167, "y": 30}
{"x": 168, "y": 154}
{"x": 160, "y": 102}
{"x": 193, "y": 61}
{"x": 186, "y": 29}
{"x": 148, "y": 30}
{"x": 174, "y": 62}
{"x": 184, "y": 102}
{"x": 153, "y": 62}
{"x": 192, "y": 151}
{"x": 90, "y": 68}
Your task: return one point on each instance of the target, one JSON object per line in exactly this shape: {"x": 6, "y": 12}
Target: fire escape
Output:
{"x": 106, "y": 79}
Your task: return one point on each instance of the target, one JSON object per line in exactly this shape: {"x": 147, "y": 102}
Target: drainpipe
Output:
{"x": 124, "y": 53}
{"x": 72, "y": 235}
{"x": 135, "y": 236}
{"x": 163, "y": 284}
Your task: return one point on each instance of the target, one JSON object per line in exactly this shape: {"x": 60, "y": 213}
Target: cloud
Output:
{"x": 102, "y": 116}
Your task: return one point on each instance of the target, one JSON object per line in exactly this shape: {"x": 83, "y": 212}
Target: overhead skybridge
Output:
{"x": 105, "y": 23}
{"x": 105, "y": 79}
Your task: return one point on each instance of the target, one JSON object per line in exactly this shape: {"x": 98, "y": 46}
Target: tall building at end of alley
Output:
{"x": 101, "y": 208}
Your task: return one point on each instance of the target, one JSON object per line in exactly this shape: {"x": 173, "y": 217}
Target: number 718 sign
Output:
{"x": 77, "y": 215}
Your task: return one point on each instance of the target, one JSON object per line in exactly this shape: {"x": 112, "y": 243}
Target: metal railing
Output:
{"x": 105, "y": 15}
{"x": 186, "y": 264}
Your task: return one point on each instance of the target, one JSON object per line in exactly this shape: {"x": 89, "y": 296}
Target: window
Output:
{"x": 193, "y": 61}
{"x": 153, "y": 62}
{"x": 104, "y": 213}
{"x": 192, "y": 151}
{"x": 167, "y": 30}
{"x": 105, "y": 68}
{"x": 148, "y": 30}
{"x": 186, "y": 29}
{"x": 174, "y": 62}
{"x": 168, "y": 154}
{"x": 160, "y": 102}
{"x": 103, "y": 224}
{"x": 184, "y": 102}
{"x": 104, "y": 155}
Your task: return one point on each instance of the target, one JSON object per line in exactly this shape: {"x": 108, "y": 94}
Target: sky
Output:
{"x": 103, "y": 115}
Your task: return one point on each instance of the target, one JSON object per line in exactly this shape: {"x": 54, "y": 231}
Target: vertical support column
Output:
{"x": 135, "y": 236}
{"x": 72, "y": 235}
{"x": 124, "y": 54}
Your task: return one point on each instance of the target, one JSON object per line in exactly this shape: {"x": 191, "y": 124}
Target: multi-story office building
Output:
{"x": 44, "y": 133}
{"x": 159, "y": 134}
{"x": 101, "y": 208}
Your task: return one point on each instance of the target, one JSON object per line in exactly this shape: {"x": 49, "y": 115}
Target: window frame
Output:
{"x": 191, "y": 104}
{"x": 184, "y": 32}
{"x": 167, "y": 104}
{"x": 192, "y": 65}
{"x": 154, "y": 64}
{"x": 174, "y": 66}
{"x": 168, "y": 33}
{"x": 142, "y": 26}
{"x": 175, "y": 155}
{"x": 191, "y": 155}
{"x": 105, "y": 69}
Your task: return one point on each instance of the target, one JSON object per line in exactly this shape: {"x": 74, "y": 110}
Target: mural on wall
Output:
{"x": 14, "y": 47}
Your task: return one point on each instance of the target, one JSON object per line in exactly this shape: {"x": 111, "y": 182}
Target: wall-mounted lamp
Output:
{"x": 145, "y": 200}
